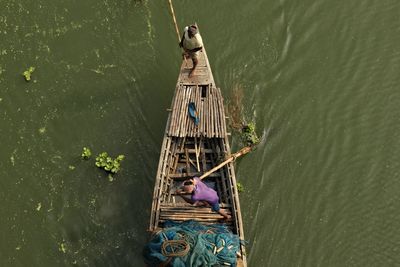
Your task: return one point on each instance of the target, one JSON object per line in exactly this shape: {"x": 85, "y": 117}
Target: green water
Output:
{"x": 319, "y": 78}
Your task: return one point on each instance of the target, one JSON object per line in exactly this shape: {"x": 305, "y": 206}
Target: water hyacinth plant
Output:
{"x": 240, "y": 187}
{"x": 86, "y": 153}
{"x": 109, "y": 164}
{"x": 27, "y": 74}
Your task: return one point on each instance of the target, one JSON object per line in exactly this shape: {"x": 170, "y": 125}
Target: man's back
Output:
{"x": 204, "y": 193}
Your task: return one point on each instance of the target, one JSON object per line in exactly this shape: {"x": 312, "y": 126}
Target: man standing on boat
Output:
{"x": 191, "y": 43}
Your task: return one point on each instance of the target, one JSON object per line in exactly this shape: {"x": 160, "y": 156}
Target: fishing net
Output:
{"x": 192, "y": 244}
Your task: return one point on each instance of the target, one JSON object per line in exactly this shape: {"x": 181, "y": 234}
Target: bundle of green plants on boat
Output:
{"x": 249, "y": 135}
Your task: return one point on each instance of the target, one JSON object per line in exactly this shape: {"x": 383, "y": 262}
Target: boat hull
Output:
{"x": 190, "y": 149}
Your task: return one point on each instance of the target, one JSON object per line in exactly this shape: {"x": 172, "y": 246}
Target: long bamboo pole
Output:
{"x": 171, "y": 8}
{"x": 241, "y": 152}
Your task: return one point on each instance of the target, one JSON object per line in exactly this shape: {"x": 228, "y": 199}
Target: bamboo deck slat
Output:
{"x": 201, "y": 214}
{"x": 184, "y": 205}
{"x": 212, "y": 117}
{"x": 208, "y": 106}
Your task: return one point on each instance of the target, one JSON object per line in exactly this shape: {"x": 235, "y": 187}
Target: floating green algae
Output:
{"x": 62, "y": 248}
{"x": 42, "y": 130}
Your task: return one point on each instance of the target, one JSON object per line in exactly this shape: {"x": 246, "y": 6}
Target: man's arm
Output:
{"x": 183, "y": 37}
{"x": 196, "y": 49}
{"x": 187, "y": 199}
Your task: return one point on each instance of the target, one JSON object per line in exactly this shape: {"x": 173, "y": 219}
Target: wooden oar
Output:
{"x": 241, "y": 152}
{"x": 171, "y": 8}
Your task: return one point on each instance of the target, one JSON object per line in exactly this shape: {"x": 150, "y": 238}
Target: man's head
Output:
{"x": 188, "y": 186}
{"x": 192, "y": 30}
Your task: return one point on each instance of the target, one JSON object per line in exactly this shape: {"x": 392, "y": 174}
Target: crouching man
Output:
{"x": 201, "y": 195}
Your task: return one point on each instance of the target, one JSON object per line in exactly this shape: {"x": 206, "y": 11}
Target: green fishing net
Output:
{"x": 192, "y": 244}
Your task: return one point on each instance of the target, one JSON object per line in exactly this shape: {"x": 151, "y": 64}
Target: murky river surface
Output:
{"x": 319, "y": 78}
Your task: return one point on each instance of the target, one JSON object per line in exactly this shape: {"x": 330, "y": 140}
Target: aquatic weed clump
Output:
{"x": 109, "y": 164}
{"x": 240, "y": 187}
{"x": 27, "y": 74}
{"x": 86, "y": 153}
{"x": 249, "y": 135}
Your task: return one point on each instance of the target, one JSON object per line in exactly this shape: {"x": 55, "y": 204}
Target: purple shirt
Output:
{"x": 204, "y": 193}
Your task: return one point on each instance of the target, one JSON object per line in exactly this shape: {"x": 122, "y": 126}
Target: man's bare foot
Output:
{"x": 225, "y": 219}
{"x": 191, "y": 73}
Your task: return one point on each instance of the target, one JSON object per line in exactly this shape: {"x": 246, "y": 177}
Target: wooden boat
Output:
{"x": 190, "y": 150}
